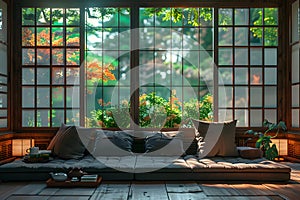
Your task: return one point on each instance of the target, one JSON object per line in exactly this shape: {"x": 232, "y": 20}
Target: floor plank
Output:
{"x": 112, "y": 190}
{"x": 148, "y": 190}
{"x": 252, "y": 189}
{"x": 21, "y": 197}
{"x": 6, "y": 189}
{"x": 288, "y": 191}
{"x": 30, "y": 189}
{"x": 218, "y": 190}
{"x": 182, "y": 187}
{"x": 189, "y": 196}
{"x": 75, "y": 191}
{"x": 69, "y": 198}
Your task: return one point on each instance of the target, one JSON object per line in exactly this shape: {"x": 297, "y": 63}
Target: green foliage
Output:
{"x": 264, "y": 140}
{"x": 154, "y": 111}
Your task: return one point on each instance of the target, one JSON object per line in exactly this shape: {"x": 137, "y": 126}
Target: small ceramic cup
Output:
{"x": 33, "y": 150}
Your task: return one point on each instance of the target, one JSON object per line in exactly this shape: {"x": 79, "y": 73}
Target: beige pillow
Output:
{"x": 216, "y": 138}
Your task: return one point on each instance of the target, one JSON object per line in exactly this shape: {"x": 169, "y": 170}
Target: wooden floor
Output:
{"x": 157, "y": 190}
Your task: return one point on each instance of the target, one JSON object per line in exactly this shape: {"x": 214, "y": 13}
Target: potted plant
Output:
{"x": 264, "y": 139}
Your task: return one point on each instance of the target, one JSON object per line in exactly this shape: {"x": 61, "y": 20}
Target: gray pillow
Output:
{"x": 68, "y": 144}
{"x": 113, "y": 143}
{"x": 216, "y": 138}
{"x": 61, "y": 129}
{"x": 160, "y": 144}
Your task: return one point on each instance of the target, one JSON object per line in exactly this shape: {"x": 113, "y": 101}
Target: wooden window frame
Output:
{"x": 134, "y": 5}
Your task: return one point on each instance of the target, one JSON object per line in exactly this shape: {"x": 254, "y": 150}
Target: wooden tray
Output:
{"x": 52, "y": 183}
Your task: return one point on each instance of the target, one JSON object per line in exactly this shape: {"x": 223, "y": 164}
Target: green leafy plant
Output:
{"x": 264, "y": 139}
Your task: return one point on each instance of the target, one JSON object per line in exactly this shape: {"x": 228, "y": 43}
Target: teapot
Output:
{"x": 76, "y": 172}
{"x": 59, "y": 176}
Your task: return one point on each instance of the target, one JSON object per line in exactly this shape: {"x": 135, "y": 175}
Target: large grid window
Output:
{"x": 247, "y": 63}
{"x": 3, "y": 66}
{"x": 295, "y": 104}
{"x": 208, "y": 63}
{"x": 50, "y": 66}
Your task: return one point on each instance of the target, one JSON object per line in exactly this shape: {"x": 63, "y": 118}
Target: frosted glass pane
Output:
{"x": 43, "y": 118}
{"x": 72, "y": 117}
{"x": 3, "y": 100}
{"x": 295, "y": 96}
{"x": 241, "y": 56}
{"x": 225, "y": 56}
{"x": 295, "y": 118}
{"x": 225, "y": 115}
{"x": 242, "y": 117}
{"x": 241, "y": 76}
{"x": 28, "y": 76}
{"x": 271, "y": 56}
{"x": 241, "y": 97}
{"x": 241, "y": 16}
{"x": 295, "y": 64}
{"x": 225, "y": 97}
{"x": 73, "y": 97}
{"x": 43, "y": 97}
{"x": 256, "y": 76}
{"x": 43, "y": 76}
{"x": 270, "y": 97}
{"x": 256, "y": 97}
{"x": 225, "y": 76}
{"x": 295, "y": 34}
{"x": 58, "y": 117}
{"x": 256, "y": 56}
{"x": 28, "y": 118}
{"x": 28, "y": 97}
{"x": 225, "y": 36}
{"x": 3, "y": 21}
{"x": 270, "y": 76}
{"x": 256, "y": 118}
{"x": 271, "y": 115}
{"x": 241, "y": 37}
{"x": 3, "y": 59}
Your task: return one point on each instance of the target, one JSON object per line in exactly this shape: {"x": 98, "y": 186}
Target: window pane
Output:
{"x": 241, "y": 36}
{"x": 271, "y": 56}
{"x": 256, "y": 97}
{"x": 225, "y": 76}
{"x": 28, "y": 76}
{"x": 270, "y": 97}
{"x": 256, "y": 56}
{"x": 295, "y": 118}
{"x": 225, "y": 17}
{"x": 242, "y": 116}
{"x": 295, "y": 96}
{"x": 241, "y": 56}
{"x": 43, "y": 76}
{"x": 241, "y": 16}
{"x": 225, "y": 56}
{"x": 28, "y": 97}
{"x": 241, "y": 76}
{"x": 28, "y": 36}
{"x": 43, "y": 118}
{"x": 271, "y": 115}
{"x": 270, "y": 76}
{"x": 225, "y": 36}
{"x": 256, "y": 76}
{"x": 256, "y": 118}
{"x": 28, "y": 119}
{"x": 241, "y": 97}
{"x": 43, "y": 97}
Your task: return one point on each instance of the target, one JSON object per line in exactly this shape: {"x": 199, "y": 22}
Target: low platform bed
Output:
{"x": 162, "y": 156}
{"x": 153, "y": 168}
